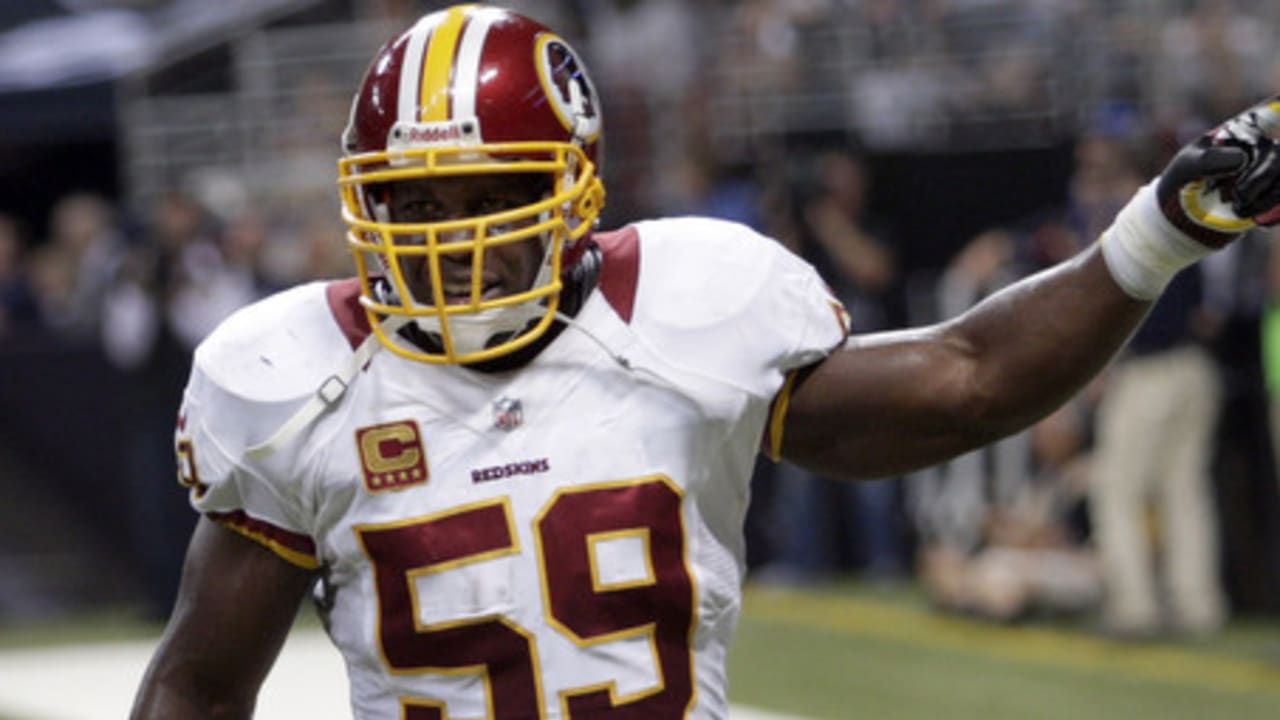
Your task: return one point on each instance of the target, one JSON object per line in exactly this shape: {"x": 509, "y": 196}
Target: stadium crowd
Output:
{"x": 1059, "y": 519}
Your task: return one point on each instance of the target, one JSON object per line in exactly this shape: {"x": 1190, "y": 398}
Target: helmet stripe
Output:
{"x": 411, "y": 68}
{"x": 468, "y": 65}
{"x": 437, "y": 72}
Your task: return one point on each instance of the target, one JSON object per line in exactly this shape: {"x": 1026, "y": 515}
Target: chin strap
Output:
{"x": 617, "y": 357}
{"x": 327, "y": 395}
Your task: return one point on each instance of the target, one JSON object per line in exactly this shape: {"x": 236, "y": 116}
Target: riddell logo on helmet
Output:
{"x": 417, "y": 135}
{"x": 434, "y": 134}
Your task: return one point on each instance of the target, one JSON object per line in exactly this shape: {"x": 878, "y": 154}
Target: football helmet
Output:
{"x": 469, "y": 90}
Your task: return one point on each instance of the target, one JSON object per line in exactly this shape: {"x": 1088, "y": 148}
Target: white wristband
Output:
{"x": 1143, "y": 250}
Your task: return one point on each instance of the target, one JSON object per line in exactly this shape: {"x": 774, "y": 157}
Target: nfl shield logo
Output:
{"x": 508, "y": 413}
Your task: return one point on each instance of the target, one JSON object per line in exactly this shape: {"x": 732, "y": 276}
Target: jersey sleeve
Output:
{"x": 246, "y": 381}
{"x": 734, "y": 303}
{"x": 246, "y": 499}
{"x": 738, "y": 306}
{"x": 803, "y": 312}
{"x": 799, "y": 308}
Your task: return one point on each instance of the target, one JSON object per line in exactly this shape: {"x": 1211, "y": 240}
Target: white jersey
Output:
{"x": 560, "y": 541}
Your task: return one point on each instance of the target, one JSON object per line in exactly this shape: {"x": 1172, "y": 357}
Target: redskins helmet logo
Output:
{"x": 566, "y": 83}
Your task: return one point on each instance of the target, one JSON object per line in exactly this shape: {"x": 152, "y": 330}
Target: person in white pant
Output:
{"x": 1154, "y": 448}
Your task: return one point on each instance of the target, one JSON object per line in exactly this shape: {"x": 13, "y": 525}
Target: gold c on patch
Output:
{"x": 392, "y": 456}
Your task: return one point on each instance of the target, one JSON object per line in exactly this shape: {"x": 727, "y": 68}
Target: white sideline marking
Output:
{"x": 97, "y": 682}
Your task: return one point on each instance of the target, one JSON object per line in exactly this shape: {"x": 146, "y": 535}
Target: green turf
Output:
{"x": 849, "y": 652}
{"x": 94, "y": 627}
{"x": 854, "y": 651}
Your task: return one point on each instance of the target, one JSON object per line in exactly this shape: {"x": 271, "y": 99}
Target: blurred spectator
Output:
{"x": 216, "y": 279}
{"x": 325, "y": 255}
{"x": 847, "y": 244}
{"x": 953, "y": 505}
{"x": 1005, "y": 529}
{"x": 760, "y": 57}
{"x": 999, "y": 58}
{"x": 1155, "y": 428}
{"x": 169, "y": 291}
{"x": 1109, "y": 165}
{"x": 1117, "y": 44}
{"x": 1151, "y": 494}
{"x": 1270, "y": 335}
{"x": 705, "y": 186}
{"x": 1271, "y": 330}
{"x": 19, "y": 313}
{"x": 74, "y": 267}
{"x": 649, "y": 45}
{"x": 1034, "y": 554}
{"x": 813, "y": 514}
{"x": 1154, "y": 448}
{"x": 899, "y": 98}
{"x": 307, "y": 244}
{"x": 1244, "y": 486}
{"x": 1212, "y": 57}
{"x": 650, "y": 53}
{"x": 176, "y": 260}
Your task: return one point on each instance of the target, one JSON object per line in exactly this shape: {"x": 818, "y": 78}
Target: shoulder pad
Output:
{"x": 725, "y": 302}
{"x": 275, "y": 350}
{"x": 688, "y": 261}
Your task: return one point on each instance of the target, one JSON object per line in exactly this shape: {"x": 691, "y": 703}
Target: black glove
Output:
{"x": 1227, "y": 180}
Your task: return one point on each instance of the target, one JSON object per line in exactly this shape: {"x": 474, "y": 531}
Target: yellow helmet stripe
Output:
{"x": 433, "y": 97}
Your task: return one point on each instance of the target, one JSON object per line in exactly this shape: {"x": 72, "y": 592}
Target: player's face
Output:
{"x": 507, "y": 269}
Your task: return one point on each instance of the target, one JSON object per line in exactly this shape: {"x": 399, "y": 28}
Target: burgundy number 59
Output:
{"x": 658, "y": 606}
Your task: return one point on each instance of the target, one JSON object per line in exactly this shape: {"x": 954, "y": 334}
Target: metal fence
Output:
{"x": 896, "y": 76}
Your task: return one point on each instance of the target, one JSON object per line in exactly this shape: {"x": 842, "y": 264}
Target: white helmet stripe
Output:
{"x": 467, "y": 66}
{"x": 411, "y": 67}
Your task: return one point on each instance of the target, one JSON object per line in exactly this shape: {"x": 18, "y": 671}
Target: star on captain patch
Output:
{"x": 508, "y": 413}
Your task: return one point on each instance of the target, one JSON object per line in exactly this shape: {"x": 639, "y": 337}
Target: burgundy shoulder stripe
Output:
{"x": 295, "y": 547}
{"x": 620, "y": 269}
{"x": 344, "y": 303}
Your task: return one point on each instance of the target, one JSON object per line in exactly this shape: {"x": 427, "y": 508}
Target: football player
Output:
{"x": 512, "y": 455}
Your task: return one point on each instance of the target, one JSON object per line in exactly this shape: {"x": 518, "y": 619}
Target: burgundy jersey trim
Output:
{"x": 620, "y": 269}
{"x": 295, "y": 547}
{"x": 344, "y": 303}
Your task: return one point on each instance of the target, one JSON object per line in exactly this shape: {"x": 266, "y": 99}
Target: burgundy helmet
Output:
{"x": 466, "y": 91}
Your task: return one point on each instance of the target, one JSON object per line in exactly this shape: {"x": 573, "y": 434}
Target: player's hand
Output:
{"x": 1227, "y": 180}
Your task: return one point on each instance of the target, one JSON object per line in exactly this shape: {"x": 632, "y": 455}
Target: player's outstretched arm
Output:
{"x": 889, "y": 403}
{"x": 235, "y": 606}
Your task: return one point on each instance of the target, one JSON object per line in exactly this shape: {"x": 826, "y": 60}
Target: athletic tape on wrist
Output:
{"x": 1143, "y": 250}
